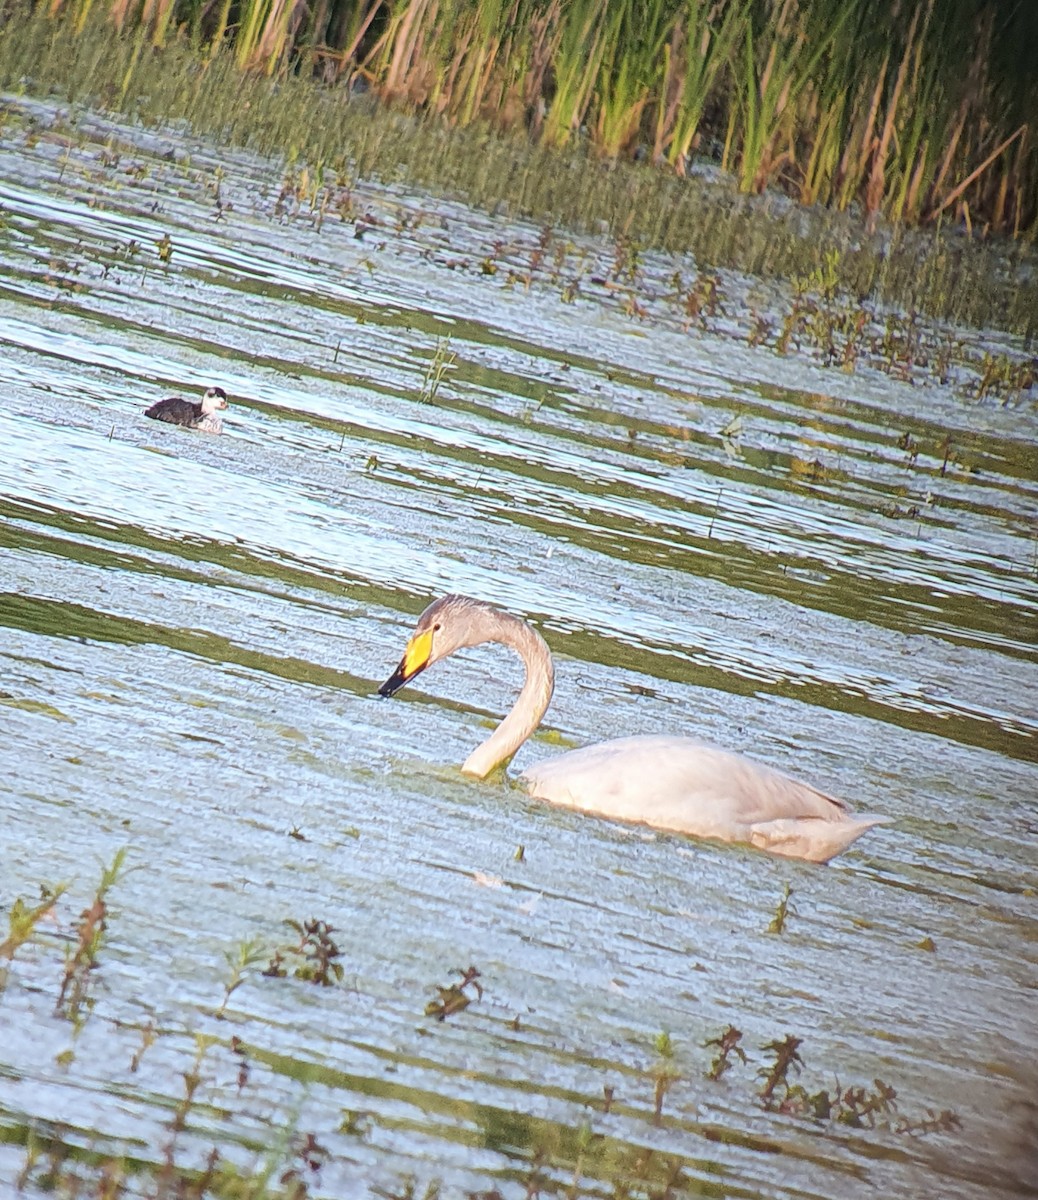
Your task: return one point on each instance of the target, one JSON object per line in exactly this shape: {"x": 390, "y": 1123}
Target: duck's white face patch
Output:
{"x": 213, "y": 399}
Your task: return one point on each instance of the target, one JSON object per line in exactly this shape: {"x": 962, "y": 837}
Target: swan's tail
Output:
{"x": 812, "y": 838}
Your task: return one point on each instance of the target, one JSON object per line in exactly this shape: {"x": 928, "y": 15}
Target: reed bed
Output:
{"x": 322, "y": 114}
{"x": 911, "y": 109}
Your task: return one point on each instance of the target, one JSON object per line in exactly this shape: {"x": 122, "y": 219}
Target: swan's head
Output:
{"x": 448, "y": 624}
{"x": 214, "y": 398}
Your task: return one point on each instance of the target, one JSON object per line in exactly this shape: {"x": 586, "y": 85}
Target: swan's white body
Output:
{"x": 672, "y": 783}
{"x": 685, "y": 786}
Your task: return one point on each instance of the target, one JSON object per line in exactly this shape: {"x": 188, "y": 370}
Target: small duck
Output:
{"x": 202, "y": 416}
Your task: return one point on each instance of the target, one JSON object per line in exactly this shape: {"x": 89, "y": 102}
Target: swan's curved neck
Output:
{"x": 533, "y": 700}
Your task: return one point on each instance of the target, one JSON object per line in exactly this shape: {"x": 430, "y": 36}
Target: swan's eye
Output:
{"x": 436, "y": 627}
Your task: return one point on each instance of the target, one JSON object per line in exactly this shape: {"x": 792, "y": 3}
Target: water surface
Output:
{"x": 714, "y": 539}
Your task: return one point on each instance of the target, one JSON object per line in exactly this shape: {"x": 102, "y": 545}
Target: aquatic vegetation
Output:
{"x": 192, "y": 1077}
{"x": 442, "y": 361}
{"x": 285, "y": 1171}
{"x": 909, "y": 110}
{"x": 777, "y": 923}
{"x": 453, "y": 998}
{"x": 82, "y": 958}
{"x": 287, "y": 1164}
{"x": 247, "y": 954}
{"x": 314, "y": 955}
{"x": 839, "y": 329}
{"x": 148, "y": 1036}
{"x": 579, "y": 54}
{"x": 863, "y": 1107}
{"x": 848, "y": 118}
{"x": 700, "y": 48}
{"x": 23, "y": 919}
{"x": 945, "y": 1121}
{"x": 786, "y": 1059}
{"x": 856, "y": 1105}
{"x": 329, "y": 1030}
{"x": 727, "y": 1043}
{"x": 665, "y": 1072}
{"x": 407, "y": 1189}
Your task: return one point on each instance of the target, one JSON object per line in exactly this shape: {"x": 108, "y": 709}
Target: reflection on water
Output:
{"x": 841, "y": 581}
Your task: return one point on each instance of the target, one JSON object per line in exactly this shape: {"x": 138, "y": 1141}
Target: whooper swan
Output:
{"x": 669, "y": 782}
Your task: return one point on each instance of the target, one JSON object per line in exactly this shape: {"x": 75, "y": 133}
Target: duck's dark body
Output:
{"x": 176, "y": 411}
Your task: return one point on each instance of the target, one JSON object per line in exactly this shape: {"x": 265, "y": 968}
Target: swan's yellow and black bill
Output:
{"x": 415, "y": 660}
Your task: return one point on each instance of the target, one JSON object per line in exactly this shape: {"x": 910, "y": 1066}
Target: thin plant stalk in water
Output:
{"x": 441, "y": 362}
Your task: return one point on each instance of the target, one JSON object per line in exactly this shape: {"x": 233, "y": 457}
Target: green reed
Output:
{"x": 471, "y": 78}
{"x": 262, "y": 39}
{"x": 776, "y": 70}
{"x": 635, "y": 36}
{"x": 910, "y": 110}
{"x": 700, "y": 48}
{"x": 580, "y": 52}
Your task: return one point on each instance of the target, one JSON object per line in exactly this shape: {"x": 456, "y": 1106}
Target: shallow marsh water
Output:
{"x": 835, "y": 572}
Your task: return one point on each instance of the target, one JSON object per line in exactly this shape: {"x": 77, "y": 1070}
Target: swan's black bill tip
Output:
{"x": 393, "y": 684}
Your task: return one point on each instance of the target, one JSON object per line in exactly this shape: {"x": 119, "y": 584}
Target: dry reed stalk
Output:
{"x": 957, "y": 191}
{"x": 861, "y": 145}
{"x": 670, "y": 96}
{"x": 467, "y": 50}
{"x": 278, "y": 36}
{"x": 157, "y": 15}
{"x": 912, "y": 202}
{"x": 351, "y": 48}
{"x": 405, "y": 48}
{"x": 545, "y": 34}
{"x": 118, "y": 11}
{"x": 1017, "y": 172}
{"x": 950, "y": 149}
{"x": 876, "y": 184}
